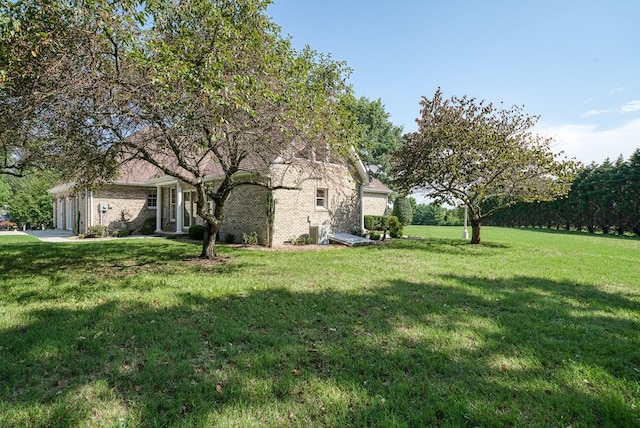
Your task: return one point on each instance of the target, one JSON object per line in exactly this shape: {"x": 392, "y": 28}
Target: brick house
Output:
{"x": 295, "y": 202}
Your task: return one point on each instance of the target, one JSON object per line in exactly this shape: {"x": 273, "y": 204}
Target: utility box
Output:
{"x": 103, "y": 207}
{"x": 319, "y": 234}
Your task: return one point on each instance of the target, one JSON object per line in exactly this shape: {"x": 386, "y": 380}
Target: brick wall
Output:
{"x": 130, "y": 200}
{"x": 375, "y": 203}
{"x": 246, "y": 212}
{"x": 246, "y": 208}
{"x": 296, "y": 209}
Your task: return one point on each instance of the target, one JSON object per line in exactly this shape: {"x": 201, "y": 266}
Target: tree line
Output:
{"x": 604, "y": 198}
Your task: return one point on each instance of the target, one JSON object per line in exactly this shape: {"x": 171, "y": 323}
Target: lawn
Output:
{"x": 532, "y": 328}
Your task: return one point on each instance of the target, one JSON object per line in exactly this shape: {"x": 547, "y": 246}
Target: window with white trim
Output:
{"x": 321, "y": 199}
{"x": 209, "y": 205}
{"x": 152, "y": 198}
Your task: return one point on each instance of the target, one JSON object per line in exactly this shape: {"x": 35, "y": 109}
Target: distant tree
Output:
{"x": 429, "y": 214}
{"x": 436, "y": 214}
{"x": 5, "y": 193}
{"x": 376, "y": 136}
{"x": 632, "y": 193}
{"x": 30, "y": 203}
{"x": 467, "y": 152}
{"x": 402, "y": 209}
{"x": 413, "y": 203}
{"x": 454, "y": 216}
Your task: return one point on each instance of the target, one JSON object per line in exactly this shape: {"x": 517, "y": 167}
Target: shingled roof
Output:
{"x": 377, "y": 186}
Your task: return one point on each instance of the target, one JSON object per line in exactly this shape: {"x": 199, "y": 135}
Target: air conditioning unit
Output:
{"x": 319, "y": 234}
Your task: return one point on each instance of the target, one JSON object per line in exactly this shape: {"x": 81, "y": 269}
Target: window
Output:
{"x": 172, "y": 204}
{"x": 190, "y": 208}
{"x": 321, "y": 199}
{"x": 152, "y": 198}
{"x": 209, "y": 205}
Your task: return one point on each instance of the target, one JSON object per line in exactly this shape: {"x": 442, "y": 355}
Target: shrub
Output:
{"x": 250, "y": 238}
{"x": 387, "y": 222}
{"x": 229, "y": 238}
{"x": 302, "y": 240}
{"x": 374, "y": 236}
{"x": 149, "y": 226}
{"x": 402, "y": 209}
{"x": 97, "y": 231}
{"x": 395, "y": 227}
{"x": 357, "y": 232}
{"x": 120, "y": 233}
{"x": 376, "y": 222}
{"x": 196, "y": 232}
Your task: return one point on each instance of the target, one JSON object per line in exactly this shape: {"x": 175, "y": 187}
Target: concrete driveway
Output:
{"x": 52, "y": 235}
{"x": 49, "y": 235}
{"x": 56, "y": 235}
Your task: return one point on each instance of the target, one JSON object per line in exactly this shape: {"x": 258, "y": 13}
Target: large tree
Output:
{"x": 376, "y": 136}
{"x": 50, "y": 55}
{"x": 191, "y": 87}
{"x": 210, "y": 87}
{"x": 471, "y": 153}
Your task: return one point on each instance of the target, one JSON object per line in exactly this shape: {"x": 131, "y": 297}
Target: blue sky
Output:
{"x": 574, "y": 63}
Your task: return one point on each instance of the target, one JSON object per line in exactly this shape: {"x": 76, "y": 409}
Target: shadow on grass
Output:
{"x": 554, "y": 231}
{"x": 458, "y": 351}
{"x": 60, "y": 270}
{"x": 443, "y": 246}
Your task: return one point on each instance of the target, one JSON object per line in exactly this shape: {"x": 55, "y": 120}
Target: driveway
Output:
{"x": 57, "y": 235}
{"x": 52, "y": 235}
{"x": 49, "y": 235}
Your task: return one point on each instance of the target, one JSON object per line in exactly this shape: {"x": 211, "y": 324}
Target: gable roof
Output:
{"x": 377, "y": 186}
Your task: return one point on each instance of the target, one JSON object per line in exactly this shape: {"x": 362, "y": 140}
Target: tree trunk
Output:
{"x": 475, "y": 231}
{"x": 209, "y": 242}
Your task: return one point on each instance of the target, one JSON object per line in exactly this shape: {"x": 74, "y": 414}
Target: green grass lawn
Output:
{"x": 533, "y": 328}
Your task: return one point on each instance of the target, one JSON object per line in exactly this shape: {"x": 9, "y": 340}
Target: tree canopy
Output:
{"x": 469, "y": 152}
{"x": 376, "y": 136}
{"x": 51, "y": 54}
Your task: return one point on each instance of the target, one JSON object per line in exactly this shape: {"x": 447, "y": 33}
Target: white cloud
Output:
{"x": 617, "y": 90}
{"x": 594, "y": 113}
{"x": 630, "y": 107}
{"x": 588, "y": 143}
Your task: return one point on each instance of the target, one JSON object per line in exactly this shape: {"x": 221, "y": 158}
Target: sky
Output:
{"x": 576, "y": 64}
